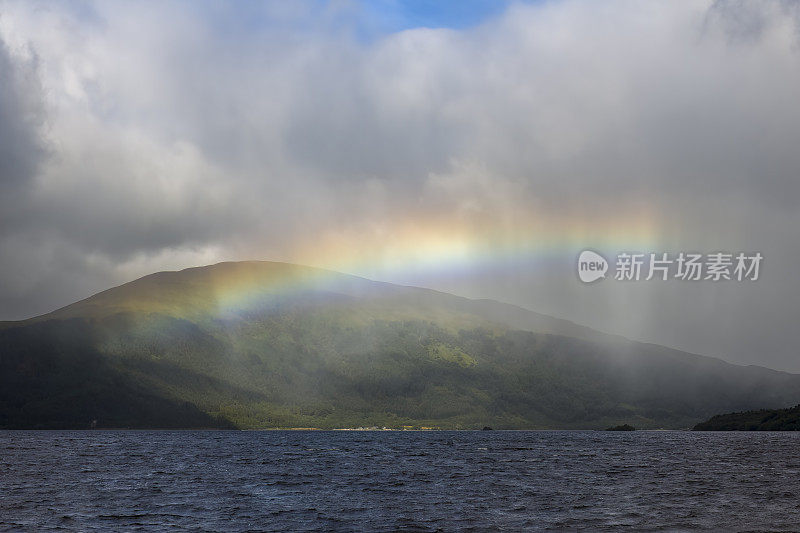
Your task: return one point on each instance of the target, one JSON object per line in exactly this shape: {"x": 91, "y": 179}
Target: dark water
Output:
{"x": 387, "y": 481}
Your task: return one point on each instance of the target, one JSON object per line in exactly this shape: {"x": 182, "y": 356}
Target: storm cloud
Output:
{"x": 137, "y": 137}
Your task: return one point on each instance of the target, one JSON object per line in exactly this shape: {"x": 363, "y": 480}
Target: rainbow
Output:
{"x": 441, "y": 245}
{"x": 412, "y": 248}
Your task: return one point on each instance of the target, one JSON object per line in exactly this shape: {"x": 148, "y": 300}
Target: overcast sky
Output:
{"x": 474, "y": 147}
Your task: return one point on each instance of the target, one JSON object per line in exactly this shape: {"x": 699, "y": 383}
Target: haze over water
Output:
{"x": 390, "y": 481}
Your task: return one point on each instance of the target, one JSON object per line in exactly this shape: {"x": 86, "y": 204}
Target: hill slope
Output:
{"x": 259, "y": 344}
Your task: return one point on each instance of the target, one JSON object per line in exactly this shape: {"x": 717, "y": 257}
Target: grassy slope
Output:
{"x": 173, "y": 349}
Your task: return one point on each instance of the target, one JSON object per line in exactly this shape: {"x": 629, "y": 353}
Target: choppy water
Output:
{"x": 387, "y": 481}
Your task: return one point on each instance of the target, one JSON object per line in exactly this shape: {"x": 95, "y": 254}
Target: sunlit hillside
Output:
{"x": 263, "y": 345}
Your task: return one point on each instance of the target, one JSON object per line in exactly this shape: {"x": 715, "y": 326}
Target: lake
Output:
{"x": 389, "y": 481}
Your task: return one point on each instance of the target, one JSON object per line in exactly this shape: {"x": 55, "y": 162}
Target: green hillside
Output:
{"x": 264, "y": 345}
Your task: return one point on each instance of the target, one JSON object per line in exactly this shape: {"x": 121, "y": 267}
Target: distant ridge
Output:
{"x": 760, "y": 420}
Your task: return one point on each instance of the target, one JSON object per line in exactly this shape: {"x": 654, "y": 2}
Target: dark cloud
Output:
{"x": 744, "y": 22}
{"x": 20, "y": 146}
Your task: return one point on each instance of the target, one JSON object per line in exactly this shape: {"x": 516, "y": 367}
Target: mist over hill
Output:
{"x": 264, "y": 345}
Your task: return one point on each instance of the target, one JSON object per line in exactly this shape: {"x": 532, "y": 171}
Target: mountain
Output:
{"x": 761, "y": 420}
{"x": 263, "y": 344}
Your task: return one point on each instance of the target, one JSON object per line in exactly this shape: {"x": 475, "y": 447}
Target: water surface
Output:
{"x": 388, "y": 481}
